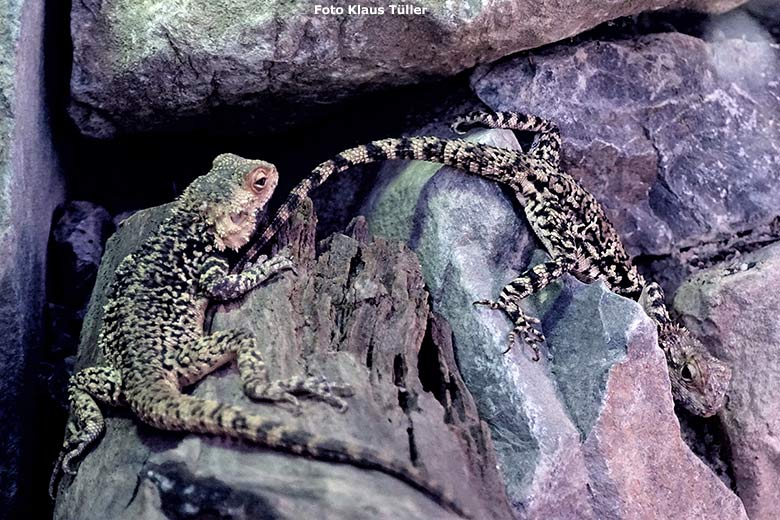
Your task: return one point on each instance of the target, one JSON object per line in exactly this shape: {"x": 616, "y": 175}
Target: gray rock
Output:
{"x": 677, "y": 137}
{"x": 356, "y": 313}
{"x": 30, "y": 189}
{"x": 767, "y": 12}
{"x": 241, "y": 65}
{"x": 121, "y": 217}
{"x": 588, "y": 432}
{"x": 734, "y": 309}
{"x": 78, "y": 237}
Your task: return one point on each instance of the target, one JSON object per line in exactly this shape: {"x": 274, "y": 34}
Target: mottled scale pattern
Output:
{"x": 153, "y": 342}
{"x": 571, "y": 224}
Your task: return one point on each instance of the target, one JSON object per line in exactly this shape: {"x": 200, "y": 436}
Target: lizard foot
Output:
{"x": 286, "y": 390}
{"x": 524, "y": 326}
{"x": 487, "y": 303}
{"x": 266, "y": 267}
{"x": 529, "y": 334}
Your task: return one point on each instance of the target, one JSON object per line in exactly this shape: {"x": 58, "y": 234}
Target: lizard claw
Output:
{"x": 68, "y": 470}
{"x": 315, "y": 387}
{"x": 293, "y": 405}
{"x": 524, "y": 326}
{"x": 274, "y": 265}
{"x": 487, "y": 303}
{"x": 330, "y": 393}
{"x": 530, "y": 336}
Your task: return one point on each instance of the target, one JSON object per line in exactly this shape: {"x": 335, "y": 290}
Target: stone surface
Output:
{"x": 734, "y": 308}
{"x": 589, "y": 431}
{"x": 238, "y": 65}
{"x": 679, "y": 138}
{"x": 356, "y": 313}
{"x": 768, "y": 14}
{"x": 30, "y": 189}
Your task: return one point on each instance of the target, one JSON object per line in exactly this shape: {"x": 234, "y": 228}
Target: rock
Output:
{"x": 121, "y": 217}
{"x": 253, "y": 65}
{"x": 356, "y": 313}
{"x": 588, "y": 432}
{"x": 78, "y": 237}
{"x": 679, "y": 138}
{"x": 767, "y": 13}
{"x": 31, "y": 188}
{"x": 734, "y": 309}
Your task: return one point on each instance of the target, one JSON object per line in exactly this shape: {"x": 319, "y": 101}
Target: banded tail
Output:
{"x": 155, "y": 402}
{"x": 547, "y": 143}
{"x": 487, "y": 161}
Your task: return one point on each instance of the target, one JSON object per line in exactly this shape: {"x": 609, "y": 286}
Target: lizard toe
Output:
{"x": 487, "y": 303}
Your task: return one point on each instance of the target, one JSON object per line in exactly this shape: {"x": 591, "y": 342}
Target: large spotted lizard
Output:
{"x": 153, "y": 342}
{"x": 570, "y": 223}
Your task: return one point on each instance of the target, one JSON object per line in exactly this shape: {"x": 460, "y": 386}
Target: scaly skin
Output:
{"x": 570, "y": 223}
{"x": 153, "y": 342}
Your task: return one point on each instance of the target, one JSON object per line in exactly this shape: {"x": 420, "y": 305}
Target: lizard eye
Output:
{"x": 688, "y": 372}
{"x": 259, "y": 182}
{"x": 258, "y": 179}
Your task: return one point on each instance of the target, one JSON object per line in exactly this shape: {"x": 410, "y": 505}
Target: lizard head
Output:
{"x": 699, "y": 380}
{"x": 230, "y": 197}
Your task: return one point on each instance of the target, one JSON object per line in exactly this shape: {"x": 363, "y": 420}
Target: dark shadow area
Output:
{"x": 134, "y": 172}
{"x": 708, "y": 440}
{"x": 48, "y": 415}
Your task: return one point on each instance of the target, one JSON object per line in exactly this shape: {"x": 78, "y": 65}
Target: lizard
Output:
{"x": 571, "y": 225}
{"x": 153, "y": 343}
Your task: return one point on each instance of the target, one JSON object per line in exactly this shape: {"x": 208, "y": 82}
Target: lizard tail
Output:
{"x": 162, "y": 405}
{"x": 510, "y": 120}
{"x": 548, "y": 141}
{"x": 487, "y": 161}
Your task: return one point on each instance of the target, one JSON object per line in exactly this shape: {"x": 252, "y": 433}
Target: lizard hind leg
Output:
{"x": 529, "y": 282}
{"x": 258, "y": 386}
{"x": 86, "y": 388}
{"x": 210, "y": 352}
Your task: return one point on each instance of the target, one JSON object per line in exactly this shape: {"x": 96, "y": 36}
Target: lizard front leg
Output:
{"x": 529, "y": 282}
{"x": 216, "y": 282}
{"x": 86, "y": 388}
{"x": 210, "y": 352}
